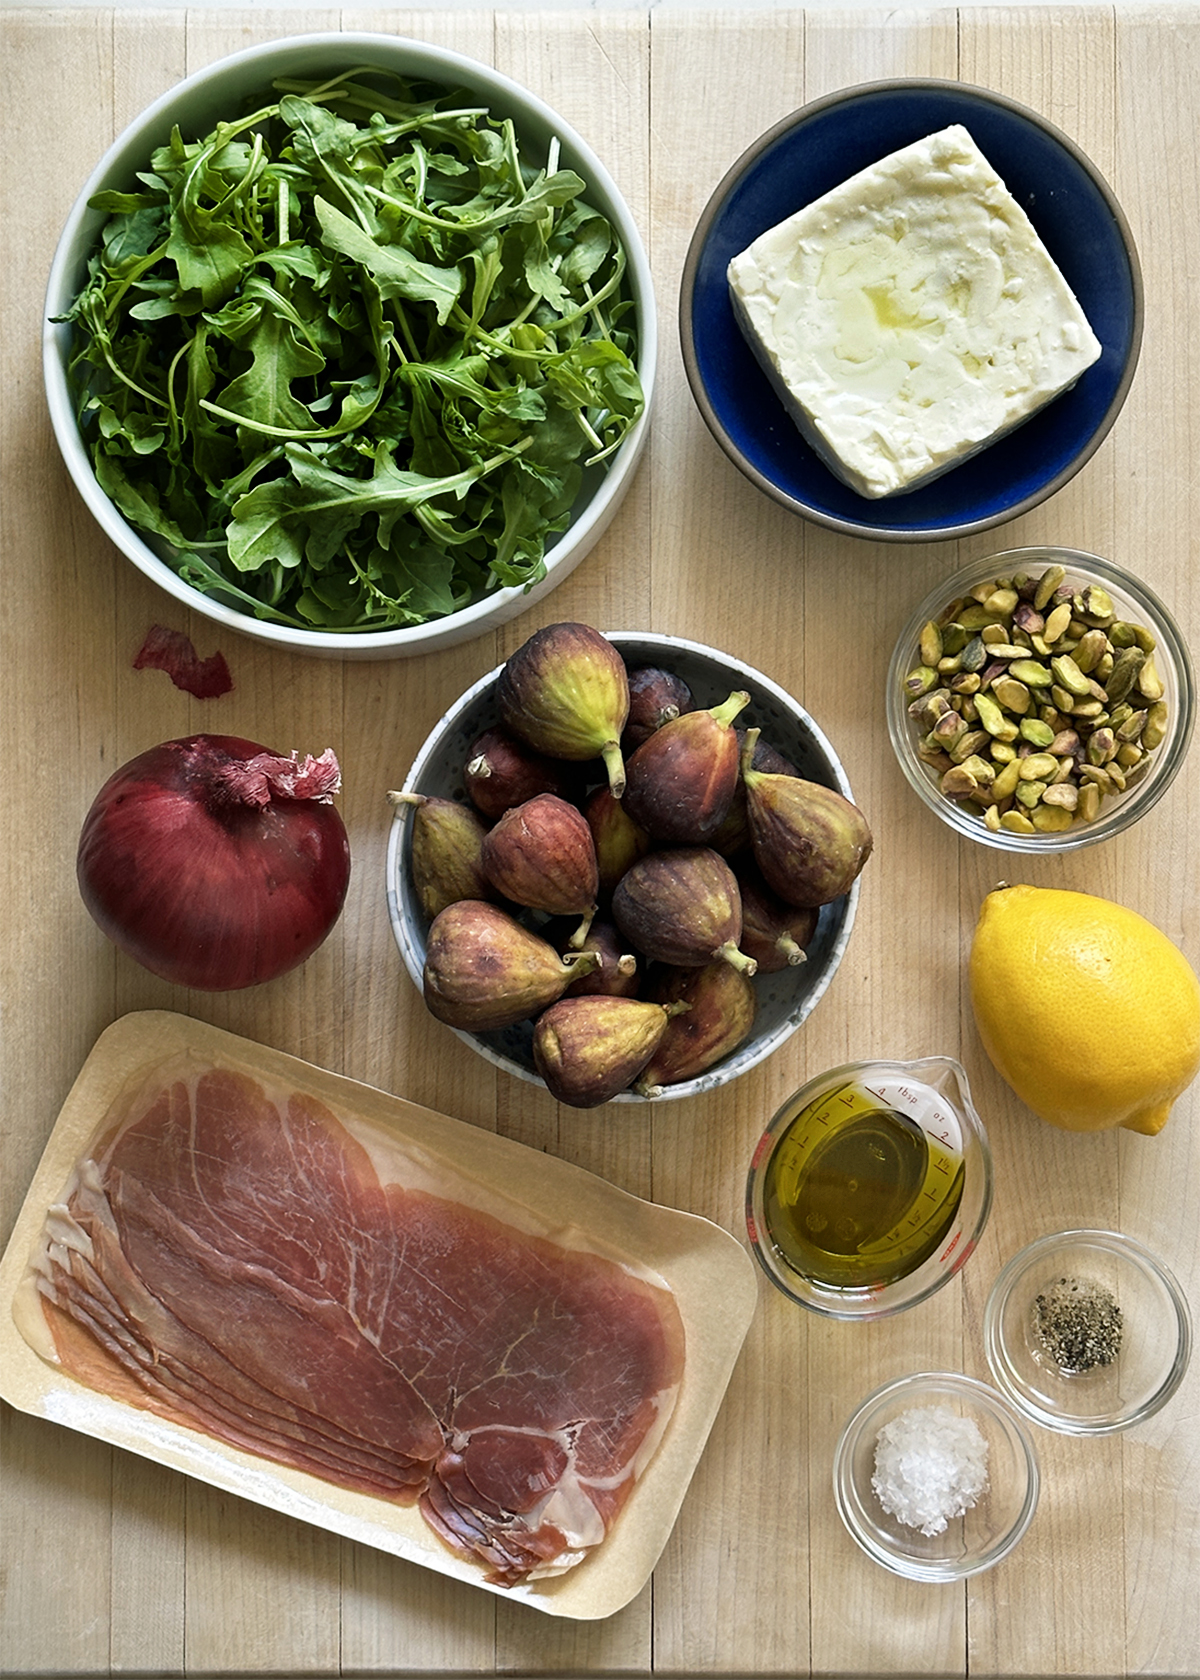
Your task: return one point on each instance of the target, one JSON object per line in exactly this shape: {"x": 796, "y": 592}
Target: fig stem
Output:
{"x": 395, "y": 798}
{"x": 729, "y": 953}
{"x": 729, "y": 709}
{"x": 582, "y": 962}
{"x": 582, "y": 931}
{"x": 610, "y": 752}
{"x": 748, "y": 746}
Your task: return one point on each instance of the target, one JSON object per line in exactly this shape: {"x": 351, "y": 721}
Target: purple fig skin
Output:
{"x": 617, "y": 838}
{"x": 566, "y": 692}
{"x": 721, "y": 1007}
{"x": 484, "y": 971}
{"x": 446, "y": 853}
{"x": 776, "y": 934}
{"x": 589, "y": 1049}
{"x": 540, "y": 855}
{"x": 502, "y": 771}
{"x": 809, "y": 842}
{"x": 732, "y": 838}
{"x": 655, "y": 697}
{"x": 682, "y": 907}
{"x": 679, "y": 784}
{"x": 766, "y": 757}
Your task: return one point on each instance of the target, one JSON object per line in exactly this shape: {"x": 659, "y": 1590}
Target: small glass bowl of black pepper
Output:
{"x": 1040, "y": 700}
{"x": 1087, "y": 1332}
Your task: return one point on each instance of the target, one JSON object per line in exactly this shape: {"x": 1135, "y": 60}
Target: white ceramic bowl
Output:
{"x": 970, "y": 1543}
{"x": 785, "y": 1000}
{"x": 219, "y": 91}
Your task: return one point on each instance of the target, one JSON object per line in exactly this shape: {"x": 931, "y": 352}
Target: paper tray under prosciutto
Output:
{"x": 574, "y": 1342}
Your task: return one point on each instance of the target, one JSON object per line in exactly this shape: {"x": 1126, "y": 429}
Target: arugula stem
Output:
{"x": 265, "y": 430}
{"x": 118, "y": 371}
{"x": 180, "y": 355}
{"x": 407, "y": 205}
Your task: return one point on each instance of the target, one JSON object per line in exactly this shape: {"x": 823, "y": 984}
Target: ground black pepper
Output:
{"x": 1078, "y": 1323}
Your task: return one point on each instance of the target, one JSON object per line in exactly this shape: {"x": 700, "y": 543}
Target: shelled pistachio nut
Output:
{"x": 1035, "y": 701}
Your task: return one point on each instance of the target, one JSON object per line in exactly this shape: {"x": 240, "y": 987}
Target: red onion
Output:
{"x": 214, "y": 862}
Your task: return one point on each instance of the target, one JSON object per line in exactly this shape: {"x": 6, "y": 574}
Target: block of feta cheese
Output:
{"x": 911, "y": 316}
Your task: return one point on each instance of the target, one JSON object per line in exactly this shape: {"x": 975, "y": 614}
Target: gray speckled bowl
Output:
{"x": 785, "y": 1000}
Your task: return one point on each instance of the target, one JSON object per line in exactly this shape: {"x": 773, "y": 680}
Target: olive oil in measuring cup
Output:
{"x": 865, "y": 1178}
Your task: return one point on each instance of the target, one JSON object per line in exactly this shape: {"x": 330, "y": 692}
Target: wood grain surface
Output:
{"x": 110, "y": 1564}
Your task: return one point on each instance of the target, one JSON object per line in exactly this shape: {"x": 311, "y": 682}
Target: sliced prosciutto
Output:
{"x": 242, "y": 1261}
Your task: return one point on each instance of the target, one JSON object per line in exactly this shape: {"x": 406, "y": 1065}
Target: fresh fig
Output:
{"x": 617, "y": 838}
{"x": 655, "y": 697}
{"x": 776, "y": 934}
{"x": 682, "y": 906}
{"x": 588, "y": 1049}
{"x": 619, "y": 974}
{"x": 680, "y": 782}
{"x": 733, "y": 836}
{"x": 809, "y": 841}
{"x": 541, "y": 855}
{"x": 721, "y": 1007}
{"x": 502, "y": 771}
{"x": 445, "y": 857}
{"x": 566, "y": 692}
{"x": 484, "y": 971}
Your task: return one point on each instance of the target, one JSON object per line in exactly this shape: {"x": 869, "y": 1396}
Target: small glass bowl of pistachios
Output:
{"x": 1040, "y": 700}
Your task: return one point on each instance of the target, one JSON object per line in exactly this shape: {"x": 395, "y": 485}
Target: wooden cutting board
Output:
{"x": 110, "y": 1563}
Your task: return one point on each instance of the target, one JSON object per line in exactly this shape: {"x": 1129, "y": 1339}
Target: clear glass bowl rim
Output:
{"x": 870, "y": 1308}
{"x": 1169, "y": 757}
{"x": 930, "y": 1383}
{"x": 1128, "y": 1248}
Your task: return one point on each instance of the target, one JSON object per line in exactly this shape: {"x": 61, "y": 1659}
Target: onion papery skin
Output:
{"x": 202, "y": 887}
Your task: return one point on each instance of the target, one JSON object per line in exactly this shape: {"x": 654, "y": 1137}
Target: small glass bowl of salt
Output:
{"x": 935, "y": 1476}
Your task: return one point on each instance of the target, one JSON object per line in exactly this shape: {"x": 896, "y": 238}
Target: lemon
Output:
{"x": 1086, "y": 1009}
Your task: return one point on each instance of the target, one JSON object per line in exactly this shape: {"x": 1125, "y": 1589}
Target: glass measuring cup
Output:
{"x": 870, "y": 1187}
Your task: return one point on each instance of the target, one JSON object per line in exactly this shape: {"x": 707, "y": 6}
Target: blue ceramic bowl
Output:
{"x": 814, "y": 150}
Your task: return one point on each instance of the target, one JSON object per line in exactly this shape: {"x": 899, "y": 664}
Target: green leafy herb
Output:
{"x": 346, "y": 361}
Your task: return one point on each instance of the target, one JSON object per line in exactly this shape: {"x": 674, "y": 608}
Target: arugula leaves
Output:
{"x": 347, "y": 359}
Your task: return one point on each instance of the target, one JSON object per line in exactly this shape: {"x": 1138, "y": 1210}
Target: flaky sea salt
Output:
{"x": 930, "y": 1465}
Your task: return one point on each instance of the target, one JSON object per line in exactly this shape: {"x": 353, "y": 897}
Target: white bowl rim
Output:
{"x": 855, "y": 528}
{"x": 982, "y": 1394}
{"x": 496, "y": 607}
{"x": 714, "y": 1077}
